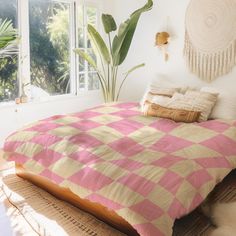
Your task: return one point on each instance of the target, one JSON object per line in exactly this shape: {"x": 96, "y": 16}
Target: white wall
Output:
{"x": 143, "y": 49}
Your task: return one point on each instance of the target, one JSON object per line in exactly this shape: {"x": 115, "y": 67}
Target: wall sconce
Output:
{"x": 162, "y": 41}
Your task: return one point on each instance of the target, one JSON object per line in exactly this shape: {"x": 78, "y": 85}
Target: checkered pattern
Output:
{"x": 149, "y": 171}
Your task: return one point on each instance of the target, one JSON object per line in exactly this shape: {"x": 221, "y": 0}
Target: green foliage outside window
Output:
{"x": 49, "y": 46}
{"x": 8, "y": 66}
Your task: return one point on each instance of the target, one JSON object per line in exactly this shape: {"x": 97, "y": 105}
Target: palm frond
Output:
{"x": 8, "y": 39}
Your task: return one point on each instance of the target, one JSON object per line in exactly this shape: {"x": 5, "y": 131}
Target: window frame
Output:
{"x": 24, "y": 48}
{"x": 86, "y": 71}
{"x": 85, "y": 3}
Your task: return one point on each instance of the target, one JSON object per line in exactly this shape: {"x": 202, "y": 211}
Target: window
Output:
{"x": 50, "y": 45}
{"x": 9, "y": 66}
{"x": 48, "y": 36}
{"x": 88, "y": 79}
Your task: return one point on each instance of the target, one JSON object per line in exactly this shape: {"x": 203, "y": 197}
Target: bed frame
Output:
{"x": 97, "y": 210}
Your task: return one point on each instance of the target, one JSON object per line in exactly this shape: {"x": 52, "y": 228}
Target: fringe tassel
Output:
{"x": 210, "y": 66}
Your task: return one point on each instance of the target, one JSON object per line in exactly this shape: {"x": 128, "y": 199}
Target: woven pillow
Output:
{"x": 178, "y": 115}
{"x": 194, "y": 101}
{"x": 163, "y": 91}
{"x": 157, "y": 95}
{"x": 202, "y": 95}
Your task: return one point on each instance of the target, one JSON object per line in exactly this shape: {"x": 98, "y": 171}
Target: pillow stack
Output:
{"x": 158, "y": 95}
{"x": 170, "y": 103}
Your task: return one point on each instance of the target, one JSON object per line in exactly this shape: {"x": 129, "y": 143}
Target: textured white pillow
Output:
{"x": 212, "y": 97}
{"x": 157, "y": 95}
{"x": 225, "y": 107}
{"x": 166, "y": 82}
{"x": 194, "y": 101}
{"x": 161, "y": 85}
{"x": 157, "y": 91}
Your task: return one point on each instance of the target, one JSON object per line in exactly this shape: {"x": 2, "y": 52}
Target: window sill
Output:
{"x": 51, "y": 99}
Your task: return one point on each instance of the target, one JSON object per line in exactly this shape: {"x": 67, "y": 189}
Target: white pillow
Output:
{"x": 225, "y": 107}
{"x": 161, "y": 85}
{"x": 155, "y": 93}
{"x": 194, "y": 101}
{"x": 167, "y": 82}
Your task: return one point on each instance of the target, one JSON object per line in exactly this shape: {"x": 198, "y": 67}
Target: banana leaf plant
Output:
{"x": 114, "y": 53}
{"x": 8, "y": 39}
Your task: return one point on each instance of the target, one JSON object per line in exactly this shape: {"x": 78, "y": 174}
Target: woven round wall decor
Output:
{"x": 210, "y": 39}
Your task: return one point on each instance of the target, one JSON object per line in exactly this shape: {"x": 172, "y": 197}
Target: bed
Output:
{"x": 137, "y": 173}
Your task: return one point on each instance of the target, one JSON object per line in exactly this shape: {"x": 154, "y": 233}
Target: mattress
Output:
{"x": 147, "y": 170}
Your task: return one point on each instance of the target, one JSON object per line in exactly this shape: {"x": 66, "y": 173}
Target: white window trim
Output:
{"x": 87, "y": 3}
{"x": 73, "y": 70}
{"x": 24, "y": 47}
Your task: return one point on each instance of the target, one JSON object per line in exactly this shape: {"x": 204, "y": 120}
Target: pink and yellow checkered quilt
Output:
{"x": 149, "y": 171}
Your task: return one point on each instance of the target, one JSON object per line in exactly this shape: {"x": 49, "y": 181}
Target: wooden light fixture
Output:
{"x": 162, "y": 40}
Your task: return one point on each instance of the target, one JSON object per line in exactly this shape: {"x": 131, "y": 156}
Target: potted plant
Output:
{"x": 114, "y": 53}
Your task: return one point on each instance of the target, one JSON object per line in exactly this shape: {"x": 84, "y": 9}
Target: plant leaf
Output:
{"x": 134, "y": 68}
{"x": 86, "y": 57}
{"x": 10, "y": 50}
{"x": 98, "y": 44}
{"x": 8, "y": 39}
{"x": 122, "y": 41}
{"x": 109, "y": 23}
{"x": 90, "y": 60}
{"x": 126, "y": 76}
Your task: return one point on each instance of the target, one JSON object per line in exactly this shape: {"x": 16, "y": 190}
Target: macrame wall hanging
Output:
{"x": 210, "y": 39}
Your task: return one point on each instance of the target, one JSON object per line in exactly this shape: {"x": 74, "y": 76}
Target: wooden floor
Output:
{"x": 194, "y": 224}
